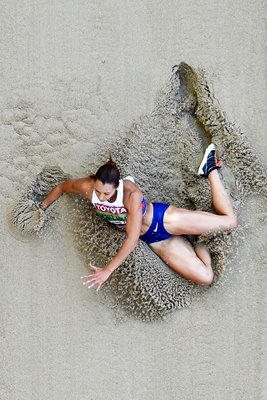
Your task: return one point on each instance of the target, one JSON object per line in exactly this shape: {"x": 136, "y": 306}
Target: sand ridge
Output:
{"x": 164, "y": 147}
{"x": 100, "y": 64}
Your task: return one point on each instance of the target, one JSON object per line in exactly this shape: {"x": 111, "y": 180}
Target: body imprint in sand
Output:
{"x": 151, "y": 277}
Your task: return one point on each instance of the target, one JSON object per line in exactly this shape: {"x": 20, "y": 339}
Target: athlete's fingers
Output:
{"x": 87, "y": 282}
{"x": 92, "y": 267}
{"x": 85, "y": 276}
{"x": 92, "y": 285}
{"x": 93, "y": 277}
{"x": 99, "y": 286}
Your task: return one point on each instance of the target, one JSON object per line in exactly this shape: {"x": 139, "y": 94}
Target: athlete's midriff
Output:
{"x": 147, "y": 218}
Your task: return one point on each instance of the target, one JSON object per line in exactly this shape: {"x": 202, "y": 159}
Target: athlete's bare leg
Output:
{"x": 177, "y": 252}
{"x": 192, "y": 264}
{"x": 179, "y": 221}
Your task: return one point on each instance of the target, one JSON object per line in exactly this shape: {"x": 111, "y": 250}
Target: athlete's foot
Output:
{"x": 209, "y": 162}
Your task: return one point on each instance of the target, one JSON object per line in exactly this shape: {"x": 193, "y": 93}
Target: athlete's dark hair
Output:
{"x": 108, "y": 173}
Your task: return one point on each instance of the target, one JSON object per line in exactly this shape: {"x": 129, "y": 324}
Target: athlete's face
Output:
{"x": 104, "y": 191}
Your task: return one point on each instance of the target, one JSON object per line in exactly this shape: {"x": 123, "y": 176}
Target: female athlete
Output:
{"x": 161, "y": 226}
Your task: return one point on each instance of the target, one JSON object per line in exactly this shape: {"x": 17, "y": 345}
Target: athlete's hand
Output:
{"x": 99, "y": 276}
{"x": 38, "y": 219}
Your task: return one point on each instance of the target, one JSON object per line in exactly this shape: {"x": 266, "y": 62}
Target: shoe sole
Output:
{"x": 204, "y": 160}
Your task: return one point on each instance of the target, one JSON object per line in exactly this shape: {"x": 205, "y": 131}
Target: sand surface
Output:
{"x": 73, "y": 74}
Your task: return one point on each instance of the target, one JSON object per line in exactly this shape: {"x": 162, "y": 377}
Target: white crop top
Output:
{"x": 114, "y": 212}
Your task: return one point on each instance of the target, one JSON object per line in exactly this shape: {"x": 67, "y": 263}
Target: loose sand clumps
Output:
{"x": 144, "y": 286}
{"x": 25, "y": 218}
{"x": 249, "y": 173}
{"x": 162, "y": 151}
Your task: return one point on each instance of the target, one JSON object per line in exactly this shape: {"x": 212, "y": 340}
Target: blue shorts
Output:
{"x": 156, "y": 231}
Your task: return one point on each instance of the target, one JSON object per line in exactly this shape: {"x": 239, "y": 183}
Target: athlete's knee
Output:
{"x": 229, "y": 221}
{"x": 233, "y": 221}
{"x": 206, "y": 277}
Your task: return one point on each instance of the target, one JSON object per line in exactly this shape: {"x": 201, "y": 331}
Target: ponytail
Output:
{"x": 108, "y": 173}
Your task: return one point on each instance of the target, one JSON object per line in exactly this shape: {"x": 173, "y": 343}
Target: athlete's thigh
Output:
{"x": 179, "y": 221}
{"x": 178, "y": 253}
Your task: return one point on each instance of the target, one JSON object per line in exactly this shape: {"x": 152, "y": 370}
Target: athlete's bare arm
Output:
{"x": 81, "y": 186}
{"x": 133, "y": 229}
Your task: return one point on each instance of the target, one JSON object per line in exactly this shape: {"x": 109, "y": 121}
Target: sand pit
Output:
{"x": 162, "y": 152}
{"x": 75, "y": 75}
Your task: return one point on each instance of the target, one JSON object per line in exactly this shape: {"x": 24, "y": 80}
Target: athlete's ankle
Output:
{"x": 213, "y": 173}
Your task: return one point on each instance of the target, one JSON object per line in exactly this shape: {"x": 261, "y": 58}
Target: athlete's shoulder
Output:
{"x": 130, "y": 186}
{"x": 132, "y": 194}
{"x": 85, "y": 184}
{"x": 78, "y": 186}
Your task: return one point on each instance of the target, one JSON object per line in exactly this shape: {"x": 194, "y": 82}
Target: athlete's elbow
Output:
{"x": 60, "y": 188}
{"x": 56, "y": 192}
